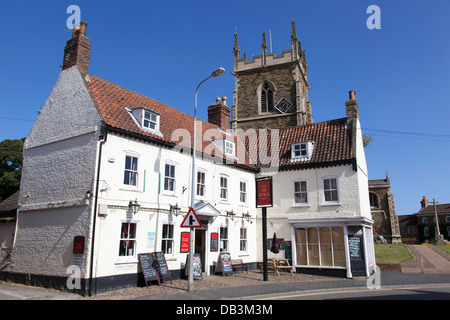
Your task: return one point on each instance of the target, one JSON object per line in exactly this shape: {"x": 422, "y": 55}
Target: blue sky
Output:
{"x": 163, "y": 49}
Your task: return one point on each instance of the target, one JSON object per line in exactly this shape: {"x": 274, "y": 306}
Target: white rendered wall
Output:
{"x": 115, "y": 196}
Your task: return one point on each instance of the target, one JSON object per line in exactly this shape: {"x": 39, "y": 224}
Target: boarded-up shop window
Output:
{"x": 320, "y": 247}
{"x": 338, "y": 246}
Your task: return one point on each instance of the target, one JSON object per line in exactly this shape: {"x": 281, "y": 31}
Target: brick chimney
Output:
{"x": 78, "y": 49}
{"x": 219, "y": 113}
{"x": 351, "y": 107}
{"x": 424, "y": 202}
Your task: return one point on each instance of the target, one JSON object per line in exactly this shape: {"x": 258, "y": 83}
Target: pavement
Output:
{"x": 439, "y": 275}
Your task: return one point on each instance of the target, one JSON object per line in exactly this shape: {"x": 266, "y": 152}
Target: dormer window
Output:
{"x": 226, "y": 146}
{"x": 146, "y": 119}
{"x": 150, "y": 120}
{"x": 229, "y": 147}
{"x": 302, "y": 151}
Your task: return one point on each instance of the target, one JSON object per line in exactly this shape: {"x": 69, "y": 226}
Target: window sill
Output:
{"x": 126, "y": 261}
{"x": 330, "y": 204}
{"x": 301, "y": 205}
{"x": 131, "y": 189}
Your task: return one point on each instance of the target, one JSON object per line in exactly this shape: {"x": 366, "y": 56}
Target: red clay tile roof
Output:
{"x": 332, "y": 140}
{"x": 112, "y": 101}
{"x": 332, "y": 145}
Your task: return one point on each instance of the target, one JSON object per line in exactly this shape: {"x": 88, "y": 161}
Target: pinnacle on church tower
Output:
{"x": 264, "y": 44}
{"x": 236, "y": 45}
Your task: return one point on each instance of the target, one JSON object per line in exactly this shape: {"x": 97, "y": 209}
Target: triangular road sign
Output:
{"x": 191, "y": 220}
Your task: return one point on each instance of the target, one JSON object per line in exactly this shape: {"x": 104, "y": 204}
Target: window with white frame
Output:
{"x": 167, "y": 239}
{"x": 243, "y": 192}
{"x": 169, "y": 177}
{"x": 201, "y": 181}
{"x": 127, "y": 243}
{"x": 302, "y": 151}
{"x": 424, "y": 220}
{"x": 243, "y": 239}
{"x": 150, "y": 120}
{"x": 131, "y": 171}
{"x": 229, "y": 147}
{"x": 330, "y": 190}
{"x": 323, "y": 246}
{"x": 300, "y": 192}
{"x": 447, "y": 219}
{"x": 224, "y": 239}
{"x": 223, "y": 188}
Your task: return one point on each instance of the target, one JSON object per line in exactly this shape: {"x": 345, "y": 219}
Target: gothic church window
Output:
{"x": 266, "y": 97}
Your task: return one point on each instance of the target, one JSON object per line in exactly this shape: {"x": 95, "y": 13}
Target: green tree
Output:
{"x": 367, "y": 139}
{"x": 11, "y": 156}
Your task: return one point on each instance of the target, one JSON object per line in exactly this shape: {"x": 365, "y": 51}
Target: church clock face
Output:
{"x": 283, "y": 105}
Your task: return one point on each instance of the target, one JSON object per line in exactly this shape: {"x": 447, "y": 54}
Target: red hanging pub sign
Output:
{"x": 264, "y": 194}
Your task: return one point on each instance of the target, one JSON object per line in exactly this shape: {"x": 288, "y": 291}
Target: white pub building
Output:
{"x": 106, "y": 176}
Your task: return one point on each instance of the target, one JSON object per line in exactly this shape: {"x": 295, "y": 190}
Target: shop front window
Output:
{"x": 320, "y": 246}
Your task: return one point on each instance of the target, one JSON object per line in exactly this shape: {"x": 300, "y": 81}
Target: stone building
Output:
{"x": 383, "y": 210}
{"x": 271, "y": 91}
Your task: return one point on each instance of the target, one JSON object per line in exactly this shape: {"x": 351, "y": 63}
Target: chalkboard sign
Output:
{"x": 160, "y": 264}
{"x": 148, "y": 269}
{"x": 354, "y": 244}
{"x": 197, "y": 269}
{"x": 224, "y": 264}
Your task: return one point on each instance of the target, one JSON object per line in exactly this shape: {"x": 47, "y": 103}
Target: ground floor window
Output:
{"x": 167, "y": 239}
{"x": 127, "y": 244}
{"x": 320, "y": 246}
{"x": 224, "y": 239}
{"x": 243, "y": 239}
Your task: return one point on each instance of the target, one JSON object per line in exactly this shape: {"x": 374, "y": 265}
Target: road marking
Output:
{"x": 302, "y": 294}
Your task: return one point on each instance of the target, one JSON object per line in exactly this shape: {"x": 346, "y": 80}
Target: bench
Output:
{"x": 277, "y": 264}
{"x": 239, "y": 264}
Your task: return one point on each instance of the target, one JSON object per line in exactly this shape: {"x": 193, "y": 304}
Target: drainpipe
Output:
{"x": 103, "y": 136}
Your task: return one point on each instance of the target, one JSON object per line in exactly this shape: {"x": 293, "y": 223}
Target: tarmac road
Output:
{"x": 412, "y": 292}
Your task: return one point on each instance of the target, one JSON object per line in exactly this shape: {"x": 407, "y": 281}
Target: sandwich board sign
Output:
{"x": 191, "y": 220}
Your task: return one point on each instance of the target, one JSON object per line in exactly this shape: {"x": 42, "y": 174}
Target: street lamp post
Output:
{"x": 216, "y": 73}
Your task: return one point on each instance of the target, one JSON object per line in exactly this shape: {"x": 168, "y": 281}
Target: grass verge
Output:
{"x": 392, "y": 253}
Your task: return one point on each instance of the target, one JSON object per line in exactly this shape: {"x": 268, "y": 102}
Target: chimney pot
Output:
{"x": 75, "y": 31}
{"x": 352, "y": 95}
{"x": 224, "y": 100}
{"x": 83, "y": 27}
{"x": 218, "y": 100}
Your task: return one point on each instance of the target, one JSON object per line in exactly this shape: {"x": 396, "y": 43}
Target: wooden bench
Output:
{"x": 239, "y": 264}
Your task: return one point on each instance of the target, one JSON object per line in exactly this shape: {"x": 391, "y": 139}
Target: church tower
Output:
{"x": 271, "y": 91}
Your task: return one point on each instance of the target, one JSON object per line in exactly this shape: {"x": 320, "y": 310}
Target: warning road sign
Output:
{"x": 191, "y": 220}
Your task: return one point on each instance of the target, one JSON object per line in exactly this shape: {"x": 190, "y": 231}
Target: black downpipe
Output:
{"x": 103, "y": 135}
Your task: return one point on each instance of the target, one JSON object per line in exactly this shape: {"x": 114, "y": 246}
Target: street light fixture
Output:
{"x": 216, "y": 73}
{"x": 134, "y": 206}
{"x": 175, "y": 210}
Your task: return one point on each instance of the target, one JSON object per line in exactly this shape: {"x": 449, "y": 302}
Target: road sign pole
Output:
{"x": 191, "y": 260}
